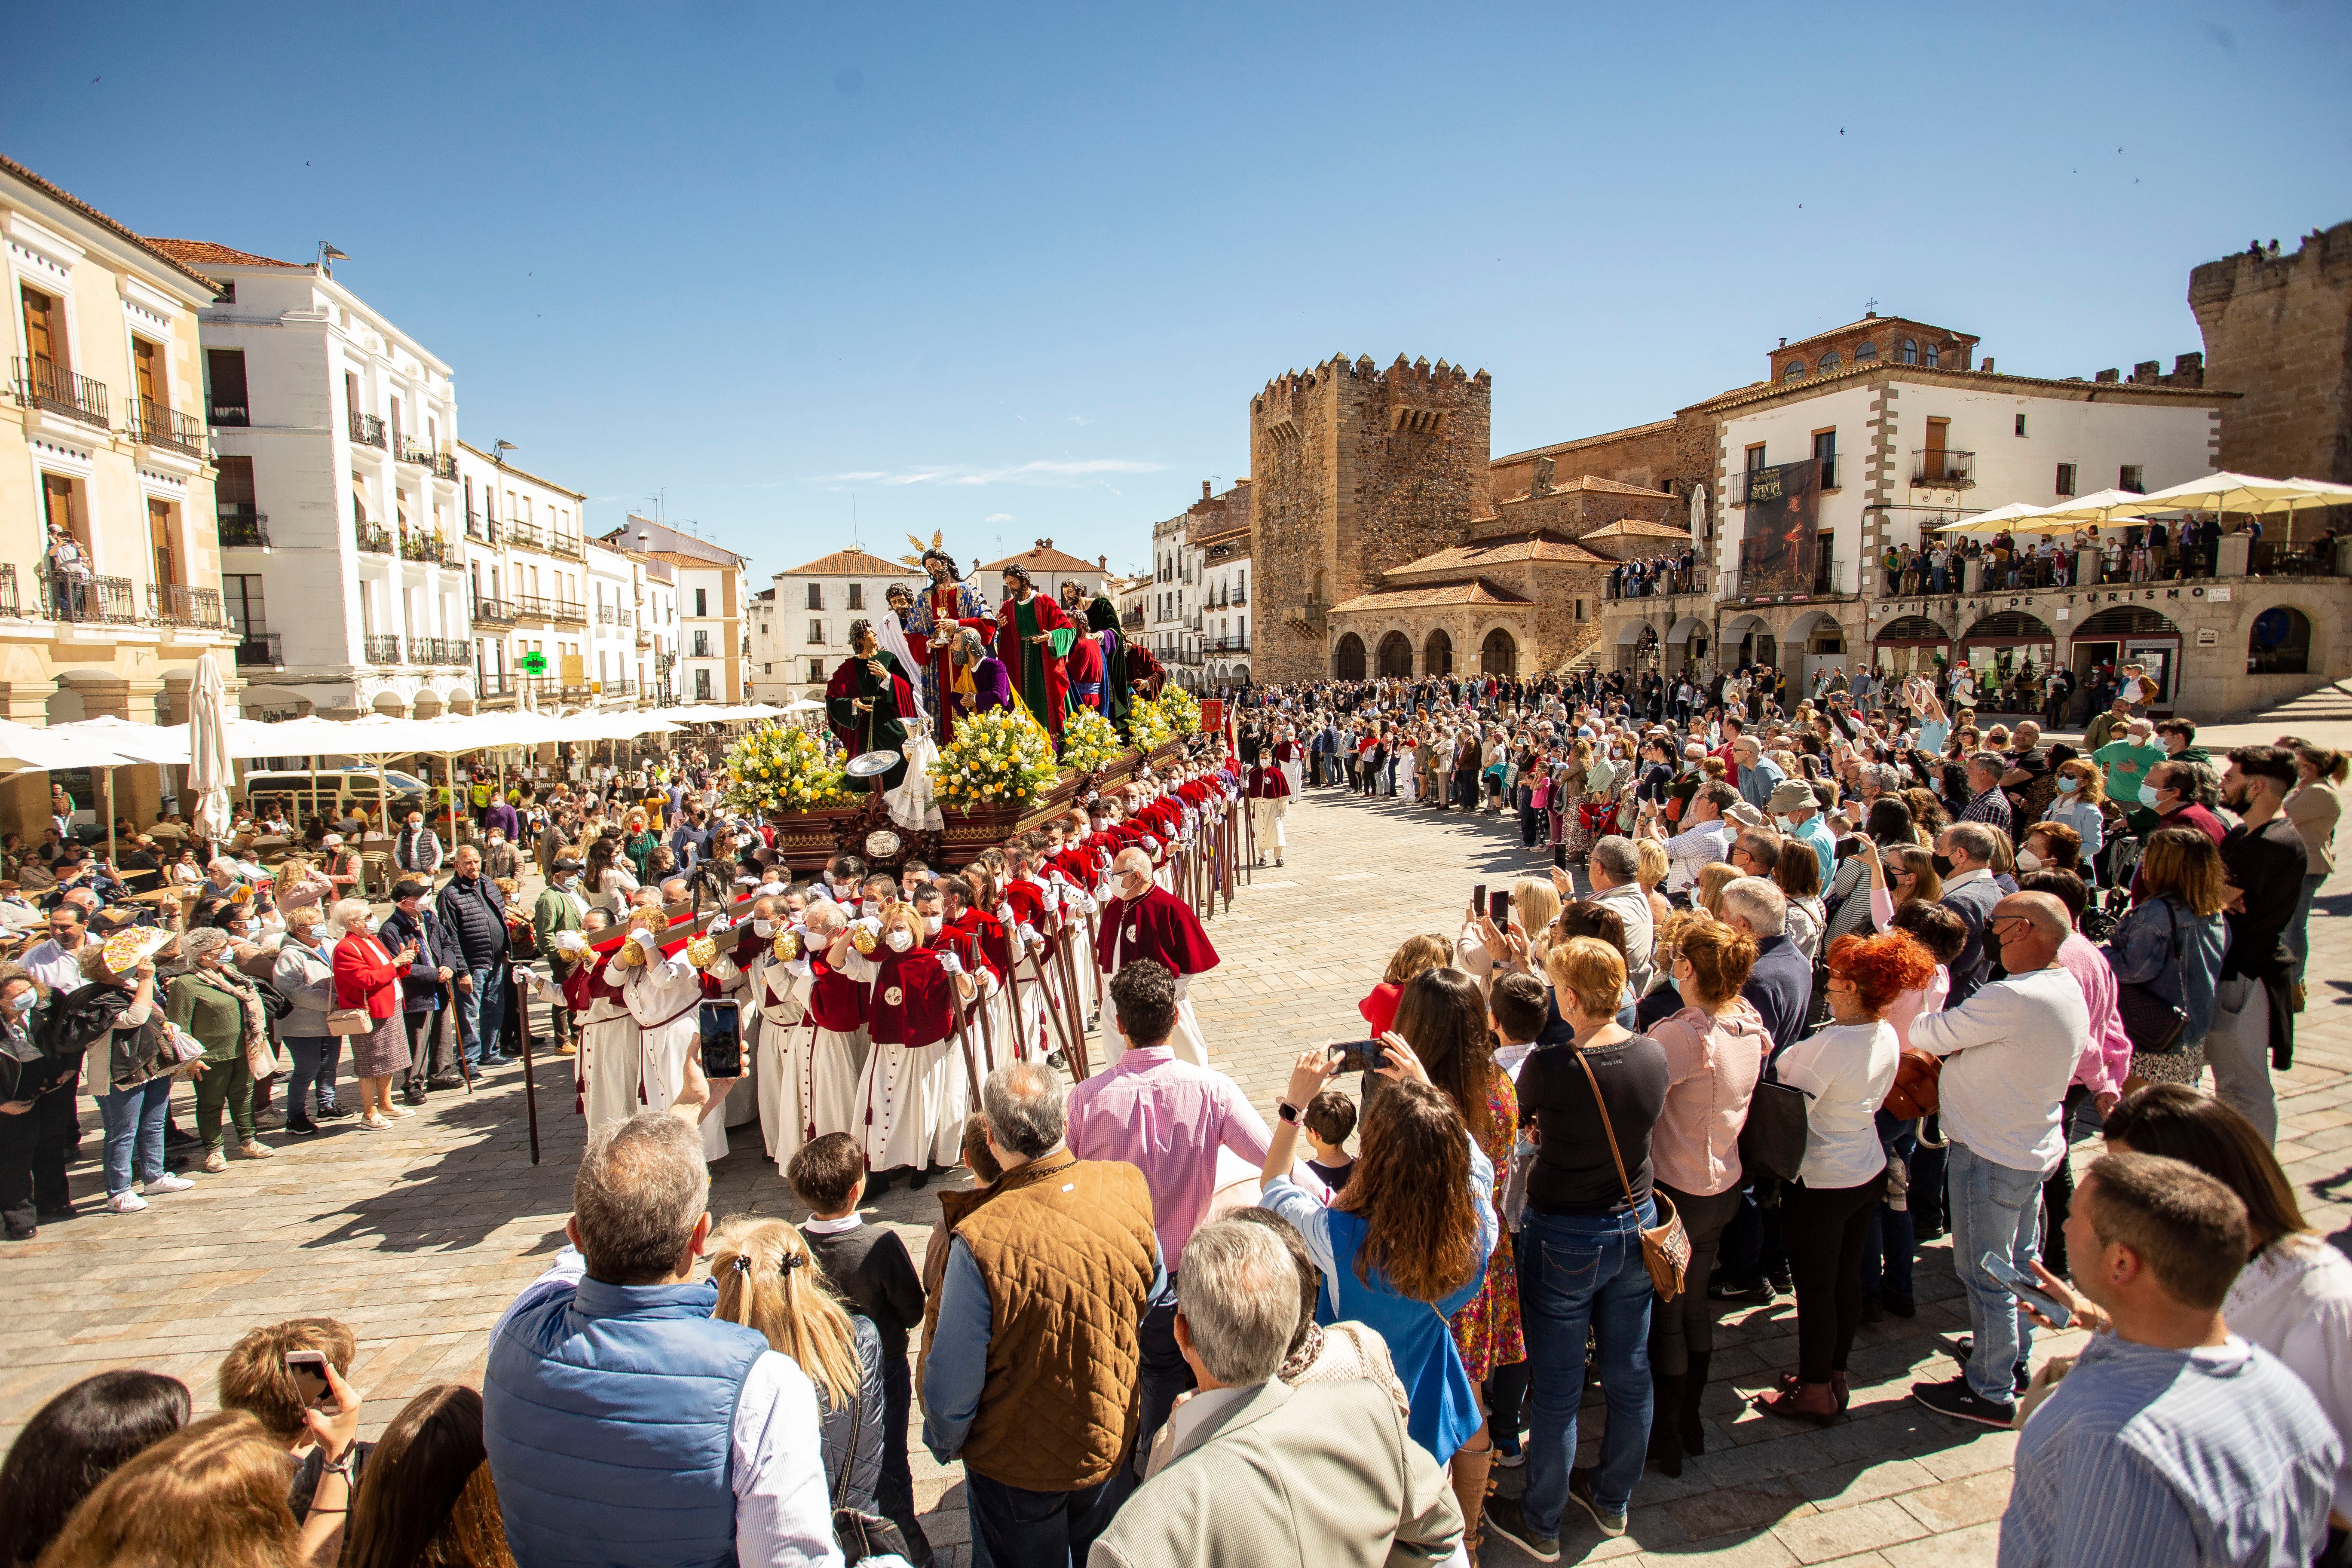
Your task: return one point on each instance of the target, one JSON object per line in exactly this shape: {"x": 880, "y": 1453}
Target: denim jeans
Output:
{"x": 314, "y": 1063}
{"x": 1888, "y": 1250}
{"x": 1043, "y": 1529}
{"x": 1165, "y": 1373}
{"x": 1584, "y": 1272}
{"x": 133, "y": 1118}
{"x": 1996, "y": 1210}
{"x": 481, "y": 1013}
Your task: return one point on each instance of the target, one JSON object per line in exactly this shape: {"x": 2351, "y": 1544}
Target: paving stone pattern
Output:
{"x": 418, "y": 1236}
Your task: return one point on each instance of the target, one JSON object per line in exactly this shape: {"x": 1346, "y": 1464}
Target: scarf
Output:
{"x": 252, "y": 1017}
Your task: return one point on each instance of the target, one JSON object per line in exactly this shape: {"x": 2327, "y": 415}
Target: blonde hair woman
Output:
{"x": 213, "y": 1493}
{"x": 768, "y": 1280}
{"x": 1651, "y": 856}
{"x": 1713, "y": 877}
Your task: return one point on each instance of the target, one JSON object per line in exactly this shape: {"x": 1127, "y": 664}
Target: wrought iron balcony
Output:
{"x": 605, "y": 614}
{"x": 440, "y": 463}
{"x": 8, "y": 603}
{"x": 628, "y": 617}
{"x": 229, "y": 414}
{"x": 567, "y": 615}
{"x": 103, "y": 599}
{"x": 381, "y": 649}
{"x": 1941, "y": 468}
{"x": 478, "y": 530}
{"x": 566, "y": 545}
{"x": 45, "y": 383}
{"x": 265, "y": 650}
{"x": 493, "y": 613}
{"x": 375, "y": 537}
{"x": 176, "y": 604}
{"x": 525, "y": 535}
{"x": 158, "y": 426}
{"x": 645, "y": 639}
{"x": 367, "y": 430}
{"x": 620, "y": 688}
{"x": 426, "y": 547}
{"x": 244, "y": 527}
{"x": 1832, "y": 580}
{"x": 1229, "y": 645}
{"x": 440, "y": 651}
{"x": 494, "y": 683}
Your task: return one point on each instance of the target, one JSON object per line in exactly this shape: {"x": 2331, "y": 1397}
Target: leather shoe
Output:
{"x": 444, "y": 1080}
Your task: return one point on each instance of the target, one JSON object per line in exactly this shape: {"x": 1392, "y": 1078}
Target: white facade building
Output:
{"x": 347, "y": 568}
{"x": 702, "y": 652}
{"x": 801, "y": 623}
{"x": 526, "y": 572}
{"x": 1047, "y": 567}
{"x": 1224, "y": 637}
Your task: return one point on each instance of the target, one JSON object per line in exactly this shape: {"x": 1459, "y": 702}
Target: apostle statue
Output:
{"x": 1033, "y": 637}
{"x": 1118, "y": 681}
{"x": 931, "y": 620}
{"x": 982, "y": 685}
{"x": 869, "y": 702}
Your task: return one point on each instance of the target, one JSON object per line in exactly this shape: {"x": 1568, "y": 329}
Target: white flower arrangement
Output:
{"x": 998, "y": 756}
{"x": 777, "y": 769}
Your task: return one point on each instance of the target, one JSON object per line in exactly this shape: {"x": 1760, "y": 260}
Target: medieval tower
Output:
{"x": 1355, "y": 470}
{"x": 2279, "y": 329}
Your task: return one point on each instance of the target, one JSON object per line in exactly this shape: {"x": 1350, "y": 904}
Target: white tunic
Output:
{"x": 807, "y": 1075}
{"x": 608, "y": 1062}
{"x": 911, "y": 1101}
{"x": 665, "y": 998}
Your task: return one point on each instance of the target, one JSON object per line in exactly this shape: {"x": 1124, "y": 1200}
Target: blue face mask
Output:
{"x": 2068, "y": 785}
{"x": 2149, "y": 795}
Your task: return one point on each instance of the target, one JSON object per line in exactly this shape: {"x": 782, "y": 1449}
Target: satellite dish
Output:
{"x": 871, "y": 765}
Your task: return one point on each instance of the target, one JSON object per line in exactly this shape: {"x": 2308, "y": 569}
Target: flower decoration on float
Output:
{"x": 777, "y": 769}
{"x": 1152, "y": 725}
{"x": 1183, "y": 710}
{"x": 1089, "y": 744}
{"x": 996, "y": 757}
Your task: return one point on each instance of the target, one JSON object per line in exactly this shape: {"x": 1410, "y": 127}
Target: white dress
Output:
{"x": 666, "y": 999}
{"x": 806, "y": 1075}
{"x": 608, "y": 1063}
{"x": 911, "y": 1101}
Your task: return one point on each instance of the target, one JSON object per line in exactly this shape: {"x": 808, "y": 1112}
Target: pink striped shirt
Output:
{"x": 1168, "y": 1119}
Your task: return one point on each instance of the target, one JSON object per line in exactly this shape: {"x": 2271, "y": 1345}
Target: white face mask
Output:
{"x": 2027, "y": 860}
{"x": 764, "y": 928}
{"x": 901, "y": 938}
{"x": 932, "y": 924}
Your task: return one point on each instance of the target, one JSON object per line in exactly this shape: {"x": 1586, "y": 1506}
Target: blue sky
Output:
{"x": 1013, "y": 273}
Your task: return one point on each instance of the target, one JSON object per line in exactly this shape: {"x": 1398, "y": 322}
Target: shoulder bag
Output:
{"x": 861, "y": 1533}
{"x": 2154, "y": 1024}
{"x": 1773, "y": 1138}
{"x": 1665, "y": 1246}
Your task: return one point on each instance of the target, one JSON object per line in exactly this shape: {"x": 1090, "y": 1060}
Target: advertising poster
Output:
{"x": 1778, "y": 543}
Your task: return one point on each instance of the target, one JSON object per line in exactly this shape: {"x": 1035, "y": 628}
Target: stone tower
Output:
{"x": 2278, "y": 328}
{"x": 1355, "y": 470}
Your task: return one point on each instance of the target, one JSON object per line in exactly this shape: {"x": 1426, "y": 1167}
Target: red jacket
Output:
{"x": 365, "y": 976}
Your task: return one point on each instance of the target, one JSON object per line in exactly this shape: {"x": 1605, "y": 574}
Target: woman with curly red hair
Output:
{"x": 1845, "y": 1071}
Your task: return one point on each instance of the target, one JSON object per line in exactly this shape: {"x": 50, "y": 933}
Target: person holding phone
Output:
{"x": 367, "y": 978}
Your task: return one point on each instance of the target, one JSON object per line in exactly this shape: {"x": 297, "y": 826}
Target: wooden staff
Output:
{"x": 963, "y": 1040}
{"x": 1045, "y": 994}
{"x": 1079, "y": 1067}
{"x": 529, "y": 1073}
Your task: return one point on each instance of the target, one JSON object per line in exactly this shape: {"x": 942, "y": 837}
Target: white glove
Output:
{"x": 1052, "y": 896}
{"x": 1151, "y": 844}
{"x": 1087, "y": 905}
{"x": 1005, "y": 912}
{"x": 1029, "y": 935}
{"x": 570, "y": 941}
{"x": 799, "y": 968}
{"x": 951, "y": 964}
{"x": 873, "y": 924}
{"x": 648, "y": 945}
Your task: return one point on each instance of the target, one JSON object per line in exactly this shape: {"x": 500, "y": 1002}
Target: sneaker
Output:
{"x": 301, "y": 1130}
{"x": 272, "y": 1117}
{"x": 1721, "y": 1289}
{"x": 334, "y": 1113}
{"x": 254, "y": 1149}
{"x": 1503, "y": 1518}
{"x": 1964, "y": 1350}
{"x": 1509, "y": 1459}
{"x": 168, "y": 1183}
{"x": 125, "y": 1202}
{"x": 1957, "y": 1400}
{"x": 1610, "y": 1520}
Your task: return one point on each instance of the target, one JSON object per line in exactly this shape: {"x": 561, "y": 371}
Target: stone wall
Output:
{"x": 1354, "y": 471}
{"x": 2279, "y": 332}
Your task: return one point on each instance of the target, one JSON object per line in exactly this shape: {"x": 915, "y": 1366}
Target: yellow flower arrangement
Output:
{"x": 999, "y": 756}
{"x": 1088, "y": 741}
{"x": 1183, "y": 710}
{"x": 1150, "y": 725}
{"x": 778, "y": 769}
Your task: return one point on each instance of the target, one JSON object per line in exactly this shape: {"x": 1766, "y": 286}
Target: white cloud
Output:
{"x": 999, "y": 517}
{"x": 1043, "y": 471}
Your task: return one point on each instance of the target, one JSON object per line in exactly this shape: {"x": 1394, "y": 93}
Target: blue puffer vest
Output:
{"x": 608, "y": 1414}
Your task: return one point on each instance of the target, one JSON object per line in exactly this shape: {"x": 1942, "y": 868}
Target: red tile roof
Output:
{"x": 1480, "y": 592}
{"x": 1638, "y": 525}
{"x": 104, "y": 222}
{"x": 1468, "y": 558}
{"x": 855, "y": 563}
{"x": 205, "y": 253}
{"x": 1043, "y": 557}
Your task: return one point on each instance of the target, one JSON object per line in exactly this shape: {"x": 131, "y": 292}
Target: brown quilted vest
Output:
{"x": 1067, "y": 1247}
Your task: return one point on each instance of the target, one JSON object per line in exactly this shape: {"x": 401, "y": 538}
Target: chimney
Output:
{"x": 1102, "y": 563}
{"x": 1204, "y": 489}
{"x": 2108, "y": 376}
{"x": 1988, "y": 364}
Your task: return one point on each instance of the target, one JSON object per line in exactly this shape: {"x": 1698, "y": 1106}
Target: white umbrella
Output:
{"x": 208, "y": 765}
{"x": 137, "y": 743}
{"x": 2244, "y": 493}
{"x": 1999, "y": 519}
{"x": 27, "y": 748}
{"x": 805, "y": 705}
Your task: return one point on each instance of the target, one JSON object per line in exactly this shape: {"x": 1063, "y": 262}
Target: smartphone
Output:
{"x": 1362, "y": 1056}
{"x": 1498, "y": 910}
{"x": 723, "y": 1040}
{"x": 309, "y": 1371}
{"x": 1478, "y": 897}
{"x": 2025, "y": 1289}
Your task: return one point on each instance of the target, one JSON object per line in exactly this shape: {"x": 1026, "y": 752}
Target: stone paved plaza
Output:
{"x": 418, "y": 1236}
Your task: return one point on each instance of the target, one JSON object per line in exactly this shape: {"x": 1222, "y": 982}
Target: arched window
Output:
{"x": 1794, "y": 371}
{"x": 1910, "y": 351}
{"x": 1437, "y": 654}
{"x": 1864, "y": 351}
{"x": 1396, "y": 654}
{"x": 1348, "y": 658}
{"x": 1931, "y": 356}
{"x": 1499, "y": 654}
{"x": 1829, "y": 362}
{"x": 2280, "y": 643}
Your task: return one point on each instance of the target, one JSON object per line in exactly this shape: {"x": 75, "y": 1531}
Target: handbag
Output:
{"x": 2153, "y": 1024}
{"x": 1665, "y": 1246}
{"x": 350, "y": 1021}
{"x": 861, "y": 1534}
{"x": 1917, "y": 1089}
{"x": 1773, "y": 1138}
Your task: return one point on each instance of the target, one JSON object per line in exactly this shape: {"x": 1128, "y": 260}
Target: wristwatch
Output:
{"x": 1287, "y": 1111}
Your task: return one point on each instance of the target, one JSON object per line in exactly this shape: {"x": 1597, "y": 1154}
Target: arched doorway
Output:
{"x": 1910, "y": 645}
{"x": 1499, "y": 655}
{"x": 1823, "y": 644}
{"x": 1686, "y": 643}
{"x": 1348, "y": 658}
{"x": 2005, "y": 651}
{"x": 2127, "y": 634}
{"x": 1396, "y": 654}
{"x": 2279, "y": 643}
{"x": 1437, "y": 654}
{"x": 1750, "y": 642}
{"x": 1637, "y": 648}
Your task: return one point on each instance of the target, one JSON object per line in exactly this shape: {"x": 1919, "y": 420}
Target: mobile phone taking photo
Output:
{"x": 309, "y": 1371}
{"x": 2029, "y": 1291}
{"x": 1362, "y": 1056}
{"x": 1498, "y": 910}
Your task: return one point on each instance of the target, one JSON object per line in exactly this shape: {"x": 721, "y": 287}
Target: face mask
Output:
{"x": 2027, "y": 860}
{"x": 496, "y": 839}
{"x": 1943, "y": 864}
{"x": 24, "y": 1004}
{"x": 2068, "y": 785}
{"x": 369, "y": 925}
{"x": 764, "y": 928}
{"x": 901, "y": 938}
{"x": 932, "y": 924}
{"x": 2149, "y": 795}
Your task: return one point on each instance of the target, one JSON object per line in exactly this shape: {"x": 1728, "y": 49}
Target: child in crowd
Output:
{"x": 1330, "y": 1117}
{"x": 872, "y": 1267}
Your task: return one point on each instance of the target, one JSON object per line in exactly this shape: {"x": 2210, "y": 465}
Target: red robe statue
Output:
{"x": 1038, "y": 670}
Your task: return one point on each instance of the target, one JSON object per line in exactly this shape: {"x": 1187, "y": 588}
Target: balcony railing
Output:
{"x": 1832, "y": 580}
{"x": 1229, "y": 645}
{"x": 437, "y": 652}
{"x": 425, "y": 547}
{"x": 440, "y": 463}
{"x": 1939, "y": 467}
{"x": 645, "y": 639}
{"x": 702, "y": 645}
{"x": 1132, "y": 620}
{"x": 245, "y": 528}
{"x": 375, "y": 537}
{"x": 620, "y": 688}
{"x": 177, "y": 605}
{"x": 496, "y": 683}
{"x": 604, "y": 614}
{"x": 229, "y": 414}
{"x": 567, "y": 615}
{"x": 493, "y": 613}
{"x": 260, "y": 648}
{"x": 380, "y": 648}
{"x": 566, "y": 545}
{"x": 482, "y": 529}
{"x": 104, "y": 599}
{"x": 525, "y": 535}
{"x": 1661, "y": 582}
{"x": 628, "y": 617}
{"x": 8, "y": 603}
{"x": 367, "y": 430}
{"x": 45, "y": 383}
{"x": 158, "y": 426}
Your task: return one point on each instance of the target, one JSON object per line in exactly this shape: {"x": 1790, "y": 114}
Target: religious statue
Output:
{"x": 983, "y": 685}
{"x": 869, "y": 702}
{"x": 931, "y": 620}
{"x": 1034, "y": 636}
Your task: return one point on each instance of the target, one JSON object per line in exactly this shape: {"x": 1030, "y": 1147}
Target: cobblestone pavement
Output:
{"x": 418, "y": 1238}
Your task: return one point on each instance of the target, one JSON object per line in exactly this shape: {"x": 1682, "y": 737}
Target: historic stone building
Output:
{"x": 2278, "y": 328}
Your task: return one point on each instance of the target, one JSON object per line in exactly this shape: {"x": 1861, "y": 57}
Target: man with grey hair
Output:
{"x": 1759, "y": 776}
{"x": 1986, "y": 802}
{"x": 2009, "y": 1054}
{"x": 625, "y": 1425}
{"x": 1781, "y": 984}
{"x": 1264, "y": 1472}
{"x": 1614, "y": 868}
{"x": 1035, "y": 1343}
{"x": 1970, "y": 892}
